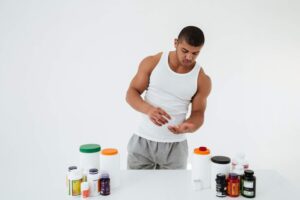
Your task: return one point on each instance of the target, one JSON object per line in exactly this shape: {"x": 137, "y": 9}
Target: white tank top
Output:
{"x": 172, "y": 92}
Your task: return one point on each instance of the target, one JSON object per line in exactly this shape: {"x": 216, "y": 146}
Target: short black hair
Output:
{"x": 192, "y": 35}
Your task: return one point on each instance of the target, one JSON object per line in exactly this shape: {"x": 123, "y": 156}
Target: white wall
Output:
{"x": 65, "y": 67}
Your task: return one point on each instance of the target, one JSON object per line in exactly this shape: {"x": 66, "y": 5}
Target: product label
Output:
{"x": 76, "y": 187}
{"x": 248, "y": 184}
{"x": 248, "y": 193}
{"x": 95, "y": 187}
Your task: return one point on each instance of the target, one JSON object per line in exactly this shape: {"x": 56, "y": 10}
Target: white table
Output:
{"x": 176, "y": 184}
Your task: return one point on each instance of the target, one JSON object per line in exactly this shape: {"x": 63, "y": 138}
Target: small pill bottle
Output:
{"x": 85, "y": 190}
{"x": 93, "y": 179}
{"x": 67, "y": 176}
{"x": 105, "y": 184}
{"x": 75, "y": 179}
{"x": 221, "y": 185}
{"x": 233, "y": 185}
{"x": 248, "y": 184}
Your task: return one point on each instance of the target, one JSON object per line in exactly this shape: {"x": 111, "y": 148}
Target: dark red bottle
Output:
{"x": 233, "y": 185}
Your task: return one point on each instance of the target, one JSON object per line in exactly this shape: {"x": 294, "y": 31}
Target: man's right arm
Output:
{"x": 138, "y": 85}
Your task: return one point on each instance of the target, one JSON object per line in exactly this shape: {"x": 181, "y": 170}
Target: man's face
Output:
{"x": 186, "y": 54}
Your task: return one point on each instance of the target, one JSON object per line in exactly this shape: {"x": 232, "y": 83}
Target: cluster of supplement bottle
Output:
{"x": 236, "y": 184}
{"x": 93, "y": 184}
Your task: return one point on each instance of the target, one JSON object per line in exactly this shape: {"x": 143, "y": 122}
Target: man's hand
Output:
{"x": 158, "y": 116}
{"x": 185, "y": 127}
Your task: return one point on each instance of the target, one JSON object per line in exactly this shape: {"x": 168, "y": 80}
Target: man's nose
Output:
{"x": 189, "y": 56}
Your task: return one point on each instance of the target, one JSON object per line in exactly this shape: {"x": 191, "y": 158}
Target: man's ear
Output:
{"x": 175, "y": 42}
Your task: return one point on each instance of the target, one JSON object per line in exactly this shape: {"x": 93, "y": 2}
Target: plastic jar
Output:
{"x": 219, "y": 164}
{"x": 201, "y": 168}
{"x": 67, "y": 177}
{"x": 75, "y": 179}
{"x": 110, "y": 162}
{"x": 89, "y": 157}
{"x": 248, "y": 184}
{"x": 233, "y": 185}
{"x": 93, "y": 178}
{"x": 105, "y": 184}
{"x": 221, "y": 185}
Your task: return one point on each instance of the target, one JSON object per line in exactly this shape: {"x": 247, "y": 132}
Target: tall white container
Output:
{"x": 110, "y": 162}
{"x": 89, "y": 157}
{"x": 219, "y": 164}
{"x": 201, "y": 171}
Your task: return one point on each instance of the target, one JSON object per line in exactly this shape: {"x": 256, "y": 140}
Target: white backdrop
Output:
{"x": 65, "y": 67}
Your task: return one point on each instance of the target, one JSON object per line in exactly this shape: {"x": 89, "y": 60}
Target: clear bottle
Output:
{"x": 239, "y": 159}
{"x": 248, "y": 184}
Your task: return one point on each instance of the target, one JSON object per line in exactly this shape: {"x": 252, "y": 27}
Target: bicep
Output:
{"x": 140, "y": 81}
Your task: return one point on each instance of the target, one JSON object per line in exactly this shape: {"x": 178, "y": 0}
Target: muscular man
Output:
{"x": 172, "y": 80}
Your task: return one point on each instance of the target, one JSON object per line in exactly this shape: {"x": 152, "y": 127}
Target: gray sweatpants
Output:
{"x": 147, "y": 154}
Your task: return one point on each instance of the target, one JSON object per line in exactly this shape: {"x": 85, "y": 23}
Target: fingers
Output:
{"x": 164, "y": 113}
{"x": 182, "y": 128}
{"x": 155, "y": 122}
{"x": 159, "y": 117}
{"x": 174, "y": 129}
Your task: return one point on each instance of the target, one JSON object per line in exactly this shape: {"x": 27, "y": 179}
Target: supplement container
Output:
{"x": 67, "y": 177}
{"x": 105, "y": 184}
{"x": 233, "y": 185}
{"x": 221, "y": 185}
{"x": 248, "y": 184}
{"x": 110, "y": 162}
{"x": 89, "y": 157}
{"x": 75, "y": 179}
{"x": 219, "y": 164}
{"x": 201, "y": 165}
{"x": 93, "y": 178}
{"x": 85, "y": 191}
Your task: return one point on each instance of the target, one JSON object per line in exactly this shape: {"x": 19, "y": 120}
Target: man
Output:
{"x": 172, "y": 81}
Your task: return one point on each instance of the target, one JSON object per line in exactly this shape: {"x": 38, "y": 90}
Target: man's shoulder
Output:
{"x": 151, "y": 61}
{"x": 153, "y": 58}
{"x": 203, "y": 76}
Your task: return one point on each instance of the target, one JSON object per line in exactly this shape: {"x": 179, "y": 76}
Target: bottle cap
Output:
{"x": 93, "y": 171}
{"x": 220, "y": 159}
{"x": 249, "y": 172}
{"x": 233, "y": 176}
{"x": 202, "y": 151}
{"x": 90, "y": 148}
{"x": 72, "y": 168}
{"x": 104, "y": 175}
{"x": 221, "y": 176}
{"x": 109, "y": 151}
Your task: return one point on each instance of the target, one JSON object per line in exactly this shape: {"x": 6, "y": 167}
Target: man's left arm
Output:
{"x": 196, "y": 119}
